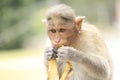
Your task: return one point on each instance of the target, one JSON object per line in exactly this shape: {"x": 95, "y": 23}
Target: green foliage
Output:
{"x": 16, "y": 22}
{"x": 99, "y": 11}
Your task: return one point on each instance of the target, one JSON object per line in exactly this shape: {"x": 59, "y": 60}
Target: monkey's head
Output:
{"x": 62, "y": 25}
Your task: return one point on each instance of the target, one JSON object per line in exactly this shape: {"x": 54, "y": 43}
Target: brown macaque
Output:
{"x": 79, "y": 43}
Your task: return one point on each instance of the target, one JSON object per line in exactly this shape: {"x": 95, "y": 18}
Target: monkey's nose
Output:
{"x": 57, "y": 40}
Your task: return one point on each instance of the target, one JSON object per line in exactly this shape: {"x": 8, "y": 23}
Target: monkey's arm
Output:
{"x": 95, "y": 66}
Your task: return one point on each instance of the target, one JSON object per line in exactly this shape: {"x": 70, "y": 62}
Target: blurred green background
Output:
{"x": 22, "y": 33}
{"x": 20, "y": 20}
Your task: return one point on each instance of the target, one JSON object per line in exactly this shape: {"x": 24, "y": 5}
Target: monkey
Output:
{"x": 78, "y": 42}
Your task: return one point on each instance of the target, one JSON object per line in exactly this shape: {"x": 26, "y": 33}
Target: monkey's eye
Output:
{"x": 62, "y": 30}
{"x": 53, "y": 30}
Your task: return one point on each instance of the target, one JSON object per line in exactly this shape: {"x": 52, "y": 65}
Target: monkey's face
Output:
{"x": 60, "y": 32}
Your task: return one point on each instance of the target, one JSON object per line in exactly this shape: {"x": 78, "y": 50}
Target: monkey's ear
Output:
{"x": 79, "y": 21}
{"x": 44, "y": 21}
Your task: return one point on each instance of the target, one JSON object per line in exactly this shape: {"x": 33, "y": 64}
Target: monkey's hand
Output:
{"x": 68, "y": 53}
{"x": 50, "y": 52}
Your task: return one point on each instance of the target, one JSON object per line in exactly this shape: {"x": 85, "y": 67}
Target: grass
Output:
{"x": 22, "y": 65}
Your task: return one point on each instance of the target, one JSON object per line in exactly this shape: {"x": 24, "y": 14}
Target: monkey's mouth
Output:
{"x": 60, "y": 45}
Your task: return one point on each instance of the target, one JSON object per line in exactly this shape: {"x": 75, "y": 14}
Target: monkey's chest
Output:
{"x": 78, "y": 72}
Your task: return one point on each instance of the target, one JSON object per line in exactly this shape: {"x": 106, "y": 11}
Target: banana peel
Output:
{"x": 53, "y": 73}
{"x": 53, "y": 70}
{"x": 68, "y": 71}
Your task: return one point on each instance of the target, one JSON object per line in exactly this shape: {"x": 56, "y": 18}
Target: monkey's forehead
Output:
{"x": 62, "y": 11}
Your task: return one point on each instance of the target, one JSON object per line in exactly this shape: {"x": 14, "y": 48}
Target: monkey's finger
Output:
{"x": 63, "y": 50}
{"x": 62, "y": 56}
{"x": 48, "y": 56}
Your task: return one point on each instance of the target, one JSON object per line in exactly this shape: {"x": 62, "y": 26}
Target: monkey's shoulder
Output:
{"x": 90, "y": 30}
{"x": 89, "y": 27}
